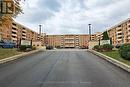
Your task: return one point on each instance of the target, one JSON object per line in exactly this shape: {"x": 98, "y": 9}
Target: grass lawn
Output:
{"x": 114, "y": 54}
{"x": 4, "y": 53}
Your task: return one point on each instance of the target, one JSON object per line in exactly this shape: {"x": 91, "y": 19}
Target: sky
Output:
{"x": 73, "y": 16}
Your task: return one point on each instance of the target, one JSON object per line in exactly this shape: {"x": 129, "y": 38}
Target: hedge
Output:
{"x": 105, "y": 47}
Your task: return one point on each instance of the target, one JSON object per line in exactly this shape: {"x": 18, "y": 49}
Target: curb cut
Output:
{"x": 111, "y": 60}
{"x": 17, "y": 56}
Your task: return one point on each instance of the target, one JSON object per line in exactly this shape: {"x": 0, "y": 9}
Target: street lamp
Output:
{"x": 89, "y": 25}
{"x": 40, "y": 28}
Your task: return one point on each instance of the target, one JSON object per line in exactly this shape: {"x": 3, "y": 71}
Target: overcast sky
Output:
{"x": 73, "y": 16}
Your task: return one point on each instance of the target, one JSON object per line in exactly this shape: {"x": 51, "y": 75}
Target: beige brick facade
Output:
{"x": 67, "y": 41}
{"x": 16, "y": 32}
{"x": 120, "y": 33}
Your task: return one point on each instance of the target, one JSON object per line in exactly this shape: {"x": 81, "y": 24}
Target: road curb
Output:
{"x": 17, "y": 56}
{"x": 111, "y": 60}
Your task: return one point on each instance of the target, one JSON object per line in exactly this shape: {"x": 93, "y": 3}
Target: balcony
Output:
{"x": 129, "y": 33}
{"x": 14, "y": 39}
{"x": 118, "y": 32}
{"x": 24, "y": 37}
{"x": 13, "y": 26}
{"x": 13, "y": 30}
{"x": 69, "y": 38}
{"x": 119, "y": 39}
{"x": 118, "y": 36}
{"x": 129, "y": 37}
{"x": 24, "y": 34}
{"x": 119, "y": 28}
{"x": 69, "y": 45}
{"x": 69, "y": 42}
{"x": 24, "y": 30}
{"x": 14, "y": 35}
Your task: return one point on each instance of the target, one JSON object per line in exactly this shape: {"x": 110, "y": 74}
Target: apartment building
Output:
{"x": 5, "y": 31}
{"x": 21, "y": 32}
{"x": 67, "y": 41}
{"x": 120, "y": 33}
{"x": 53, "y": 40}
{"x": 0, "y": 30}
{"x": 99, "y": 35}
{"x": 93, "y": 37}
{"x": 16, "y": 32}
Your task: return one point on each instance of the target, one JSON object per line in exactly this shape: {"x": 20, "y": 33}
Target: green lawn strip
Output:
{"x": 114, "y": 54}
{"x": 4, "y": 53}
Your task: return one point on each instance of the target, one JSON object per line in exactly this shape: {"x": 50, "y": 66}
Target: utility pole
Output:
{"x": 89, "y": 25}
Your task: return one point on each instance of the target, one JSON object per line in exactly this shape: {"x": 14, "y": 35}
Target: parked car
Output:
{"x": 118, "y": 45}
{"x": 83, "y": 47}
{"x": 49, "y": 47}
{"x": 7, "y": 44}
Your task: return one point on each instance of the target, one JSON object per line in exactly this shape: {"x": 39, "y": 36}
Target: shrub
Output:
{"x": 25, "y": 47}
{"x": 107, "y": 47}
{"x": 124, "y": 51}
{"x": 28, "y": 46}
{"x": 98, "y": 48}
{"x": 34, "y": 48}
{"x": 128, "y": 55}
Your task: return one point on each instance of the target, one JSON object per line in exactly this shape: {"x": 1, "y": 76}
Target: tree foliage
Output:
{"x": 105, "y": 36}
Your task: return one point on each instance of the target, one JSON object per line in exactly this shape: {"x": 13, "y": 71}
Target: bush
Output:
{"x": 124, "y": 51}
{"x": 128, "y": 55}
{"x": 22, "y": 48}
{"x": 34, "y": 48}
{"x": 107, "y": 47}
{"x": 98, "y": 48}
{"x": 25, "y": 47}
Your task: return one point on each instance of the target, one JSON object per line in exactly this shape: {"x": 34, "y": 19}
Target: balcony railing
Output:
{"x": 69, "y": 42}
{"x": 119, "y": 39}
{"x": 119, "y": 28}
{"x": 24, "y": 34}
{"x": 14, "y": 38}
{"x": 24, "y": 37}
{"x": 24, "y": 30}
{"x": 118, "y": 32}
{"x": 69, "y": 38}
{"x": 119, "y": 36}
{"x": 14, "y": 26}
{"x": 14, "y": 30}
{"x": 14, "y": 35}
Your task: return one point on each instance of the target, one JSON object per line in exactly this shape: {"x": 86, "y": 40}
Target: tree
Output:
{"x": 14, "y": 7}
{"x": 105, "y": 36}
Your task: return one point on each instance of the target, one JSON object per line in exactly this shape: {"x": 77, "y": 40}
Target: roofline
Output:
{"x": 24, "y": 26}
{"x": 118, "y": 24}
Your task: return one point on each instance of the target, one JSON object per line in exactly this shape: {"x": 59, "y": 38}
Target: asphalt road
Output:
{"x": 62, "y": 69}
